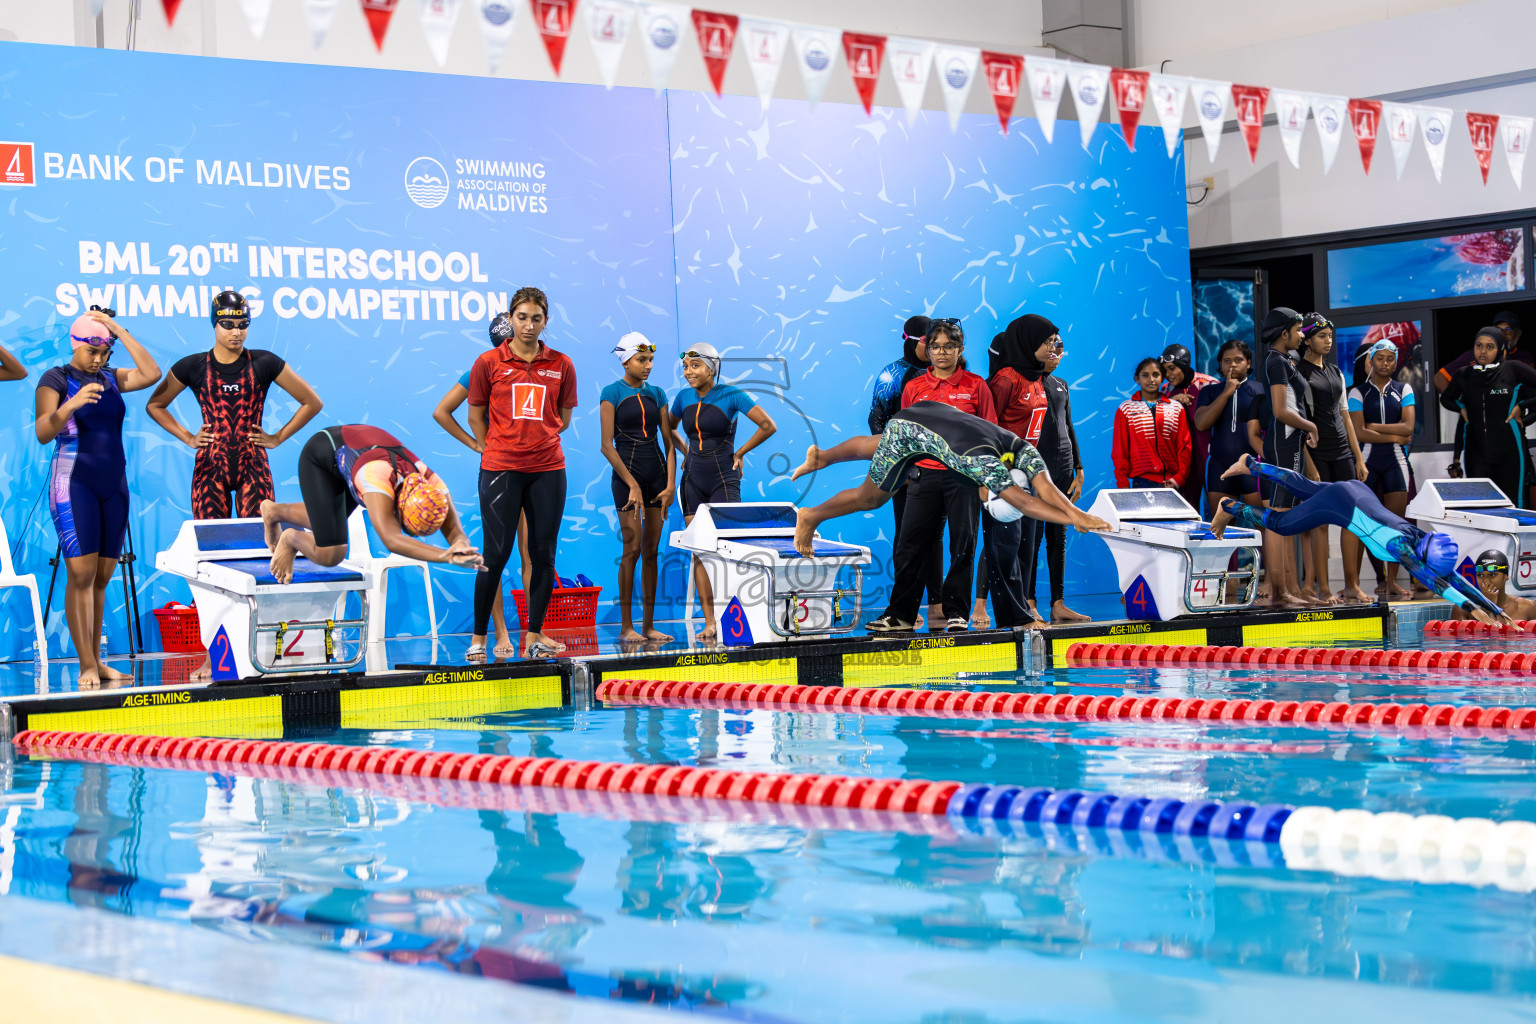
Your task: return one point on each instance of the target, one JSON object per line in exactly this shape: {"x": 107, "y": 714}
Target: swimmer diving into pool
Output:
{"x": 342, "y": 468}
{"x": 1430, "y": 558}
{"x": 994, "y": 459}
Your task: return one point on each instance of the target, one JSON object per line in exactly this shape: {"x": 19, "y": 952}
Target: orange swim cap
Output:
{"x": 423, "y": 504}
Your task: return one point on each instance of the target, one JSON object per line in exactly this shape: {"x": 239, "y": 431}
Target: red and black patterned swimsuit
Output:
{"x": 232, "y": 407}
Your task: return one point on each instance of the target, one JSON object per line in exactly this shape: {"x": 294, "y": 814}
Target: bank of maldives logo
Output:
{"x": 16, "y": 167}
{"x": 426, "y": 182}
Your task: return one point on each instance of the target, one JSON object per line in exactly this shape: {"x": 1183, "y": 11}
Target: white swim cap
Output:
{"x": 999, "y": 509}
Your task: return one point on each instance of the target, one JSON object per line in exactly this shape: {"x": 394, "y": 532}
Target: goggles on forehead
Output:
{"x": 691, "y": 354}
{"x": 645, "y": 348}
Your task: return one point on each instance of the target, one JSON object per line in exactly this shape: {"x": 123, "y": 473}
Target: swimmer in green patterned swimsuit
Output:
{"x": 995, "y": 459}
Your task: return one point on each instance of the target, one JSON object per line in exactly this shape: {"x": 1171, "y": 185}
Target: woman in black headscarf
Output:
{"x": 1016, "y": 376}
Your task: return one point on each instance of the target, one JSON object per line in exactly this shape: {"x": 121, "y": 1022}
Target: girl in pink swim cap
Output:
{"x": 80, "y": 410}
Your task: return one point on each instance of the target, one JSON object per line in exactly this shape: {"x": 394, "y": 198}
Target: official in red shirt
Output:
{"x": 935, "y": 493}
{"x": 521, "y": 394}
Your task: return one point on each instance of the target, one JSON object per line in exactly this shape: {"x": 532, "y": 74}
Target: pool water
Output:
{"x": 770, "y": 914}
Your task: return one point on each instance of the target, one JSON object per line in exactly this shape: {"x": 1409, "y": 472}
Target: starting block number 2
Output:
{"x": 221, "y": 657}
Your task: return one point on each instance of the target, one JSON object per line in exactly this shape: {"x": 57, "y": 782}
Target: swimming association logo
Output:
{"x": 1212, "y": 104}
{"x": 1328, "y": 117}
{"x": 956, "y": 73}
{"x": 817, "y": 57}
{"x": 496, "y": 13}
{"x": 1434, "y": 131}
{"x": 1088, "y": 92}
{"x": 663, "y": 31}
{"x": 426, "y": 182}
{"x": 16, "y": 164}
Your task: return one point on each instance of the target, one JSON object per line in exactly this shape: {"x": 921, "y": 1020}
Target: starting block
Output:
{"x": 1169, "y": 562}
{"x": 749, "y": 552}
{"x": 272, "y": 627}
{"x": 1479, "y": 516}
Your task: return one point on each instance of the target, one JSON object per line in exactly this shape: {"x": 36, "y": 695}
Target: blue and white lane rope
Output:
{"x": 1423, "y": 848}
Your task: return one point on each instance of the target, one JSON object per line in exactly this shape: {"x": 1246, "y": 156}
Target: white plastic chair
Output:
{"x": 10, "y": 578}
{"x": 360, "y": 553}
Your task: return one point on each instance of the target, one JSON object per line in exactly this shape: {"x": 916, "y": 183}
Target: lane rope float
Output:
{"x": 975, "y": 704}
{"x": 1429, "y": 848}
{"x": 1471, "y": 627}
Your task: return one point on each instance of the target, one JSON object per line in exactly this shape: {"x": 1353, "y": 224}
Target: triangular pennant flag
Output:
{"x": 1002, "y": 71}
{"x": 1400, "y": 122}
{"x": 378, "y": 13}
{"x": 1482, "y": 128}
{"x": 553, "y": 19}
{"x": 864, "y": 54}
{"x": 1249, "y": 101}
{"x": 318, "y": 14}
{"x": 717, "y": 35}
{"x": 816, "y": 51}
{"x": 1365, "y": 119}
{"x": 1211, "y": 108}
{"x": 1330, "y": 113}
{"x": 496, "y": 20}
{"x": 171, "y": 6}
{"x": 1436, "y": 125}
{"x": 763, "y": 42}
{"x": 661, "y": 26}
{"x": 911, "y": 60}
{"x": 1090, "y": 84}
{"x": 608, "y": 28}
{"x": 1168, "y": 93}
{"x": 1047, "y": 81}
{"x": 1517, "y": 139}
{"x": 957, "y": 70}
{"x": 256, "y": 13}
{"x": 1291, "y": 118}
{"x": 1130, "y": 89}
{"x": 437, "y": 19}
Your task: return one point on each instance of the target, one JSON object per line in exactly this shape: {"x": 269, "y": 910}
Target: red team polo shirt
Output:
{"x": 961, "y": 389}
{"x": 523, "y": 402}
{"x": 1020, "y": 403}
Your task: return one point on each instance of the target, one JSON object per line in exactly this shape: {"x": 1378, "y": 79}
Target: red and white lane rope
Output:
{"x": 975, "y": 704}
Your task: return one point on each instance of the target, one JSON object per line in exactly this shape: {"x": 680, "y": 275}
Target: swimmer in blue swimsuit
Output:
{"x": 1430, "y": 558}
{"x": 80, "y": 409}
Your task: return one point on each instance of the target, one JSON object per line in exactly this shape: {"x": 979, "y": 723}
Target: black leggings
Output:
{"x": 503, "y": 495}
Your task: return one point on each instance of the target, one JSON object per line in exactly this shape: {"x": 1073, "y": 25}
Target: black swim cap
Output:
{"x": 501, "y": 328}
{"x": 1493, "y": 561}
{"x": 916, "y": 328}
{"x": 228, "y": 304}
{"x": 1277, "y": 321}
{"x": 1507, "y": 316}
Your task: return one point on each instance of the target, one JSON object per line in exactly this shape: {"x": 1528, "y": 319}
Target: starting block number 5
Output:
{"x": 1527, "y": 571}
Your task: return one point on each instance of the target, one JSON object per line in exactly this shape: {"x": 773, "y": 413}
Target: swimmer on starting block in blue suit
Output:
{"x": 1429, "y": 558}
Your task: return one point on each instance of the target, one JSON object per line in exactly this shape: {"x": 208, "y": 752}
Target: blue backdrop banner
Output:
{"x": 378, "y": 220}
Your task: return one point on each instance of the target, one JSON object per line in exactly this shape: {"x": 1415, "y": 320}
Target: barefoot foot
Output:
{"x": 281, "y": 566}
{"x": 979, "y": 617}
{"x": 1238, "y": 468}
{"x": 1353, "y": 595}
{"x": 805, "y": 531}
{"x": 811, "y": 464}
{"x": 89, "y": 680}
{"x": 270, "y": 527}
{"x": 628, "y": 635}
{"x": 1061, "y": 613}
{"x": 505, "y": 647}
{"x": 1220, "y": 521}
{"x": 652, "y": 633}
{"x": 203, "y": 672}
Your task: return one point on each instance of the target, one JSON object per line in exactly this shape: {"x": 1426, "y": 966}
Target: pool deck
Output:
{"x": 415, "y": 679}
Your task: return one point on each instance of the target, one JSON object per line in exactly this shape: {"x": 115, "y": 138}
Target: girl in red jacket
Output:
{"x": 1152, "y": 443}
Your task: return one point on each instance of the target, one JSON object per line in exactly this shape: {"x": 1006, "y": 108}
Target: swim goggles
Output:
{"x": 235, "y": 325}
{"x": 1490, "y": 563}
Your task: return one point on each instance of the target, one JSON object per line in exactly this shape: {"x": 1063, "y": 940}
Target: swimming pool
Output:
{"x": 794, "y": 916}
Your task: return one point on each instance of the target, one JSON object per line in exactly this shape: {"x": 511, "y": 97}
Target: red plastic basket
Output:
{"x": 569, "y": 607}
{"x": 179, "y": 629}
